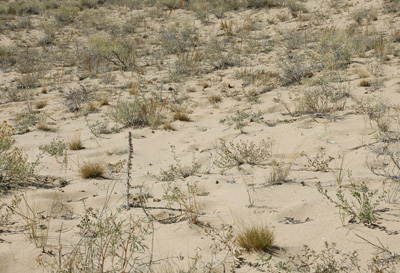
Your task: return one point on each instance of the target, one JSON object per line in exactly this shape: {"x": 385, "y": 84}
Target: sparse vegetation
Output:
{"x": 203, "y": 76}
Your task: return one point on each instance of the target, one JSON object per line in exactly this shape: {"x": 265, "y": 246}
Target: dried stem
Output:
{"x": 128, "y": 170}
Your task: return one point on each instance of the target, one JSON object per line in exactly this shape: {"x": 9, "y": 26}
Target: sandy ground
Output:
{"x": 293, "y": 209}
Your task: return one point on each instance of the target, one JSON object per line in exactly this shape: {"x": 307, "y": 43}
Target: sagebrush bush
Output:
{"x": 322, "y": 99}
{"x": 139, "y": 112}
{"x": 118, "y": 52}
{"x": 245, "y": 152}
{"x": 177, "y": 40}
{"x": 66, "y": 14}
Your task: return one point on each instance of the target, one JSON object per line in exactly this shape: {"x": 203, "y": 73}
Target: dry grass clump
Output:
{"x": 90, "y": 170}
{"x": 256, "y": 238}
{"x": 76, "y": 143}
{"x": 215, "y": 99}
{"x": 168, "y": 126}
{"x": 40, "y": 105}
{"x": 182, "y": 114}
{"x": 365, "y": 83}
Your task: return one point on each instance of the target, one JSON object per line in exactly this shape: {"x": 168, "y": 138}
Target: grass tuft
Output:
{"x": 90, "y": 170}
{"x": 256, "y": 238}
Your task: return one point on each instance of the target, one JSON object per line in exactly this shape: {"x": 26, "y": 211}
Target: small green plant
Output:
{"x": 186, "y": 199}
{"x": 363, "y": 205}
{"x": 256, "y": 238}
{"x": 55, "y": 148}
{"x": 25, "y": 120}
{"x": 235, "y": 154}
{"x": 178, "y": 170}
{"x": 319, "y": 163}
{"x": 309, "y": 260}
{"x": 241, "y": 119}
{"x": 14, "y": 167}
{"x": 90, "y": 170}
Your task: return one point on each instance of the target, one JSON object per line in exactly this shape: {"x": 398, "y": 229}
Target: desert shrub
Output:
{"x": 14, "y": 167}
{"x": 25, "y": 120}
{"x": 28, "y": 81}
{"x": 139, "y": 112}
{"x": 7, "y": 58}
{"x": 201, "y": 10}
{"x": 330, "y": 259}
{"x": 186, "y": 199}
{"x": 235, "y": 154}
{"x": 256, "y": 238}
{"x": 294, "y": 69}
{"x": 262, "y": 3}
{"x": 176, "y": 40}
{"x": 28, "y": 61}
{"x": 10, "y": 94}
{"x": 66, "y": 14}
{"x": 27, "y": 7}
{"x": 219, "y": 7}
{"x": 49, "y": 36}
{"x": 118, "y": 52}
{"x": 324, "y": 98}
{"x": 91, "y": 4}
{"x": 295, "y": 7}
{"x": 361, "y": 207}
{"x": 107, "y": 244}
{"x": 90, "y": 170}
{"x": 336, "y": 48}
{"x": 241, "y": 119}
{"x": 55, "y": 148}
{"x": 75, "y": 97}
{"x": 187, "y": 63}
{"x": 218, "y": 56}
{"x": 178, "y": 170}
{"x": 391, "y": 6}
{"x": 319, "y": 163}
